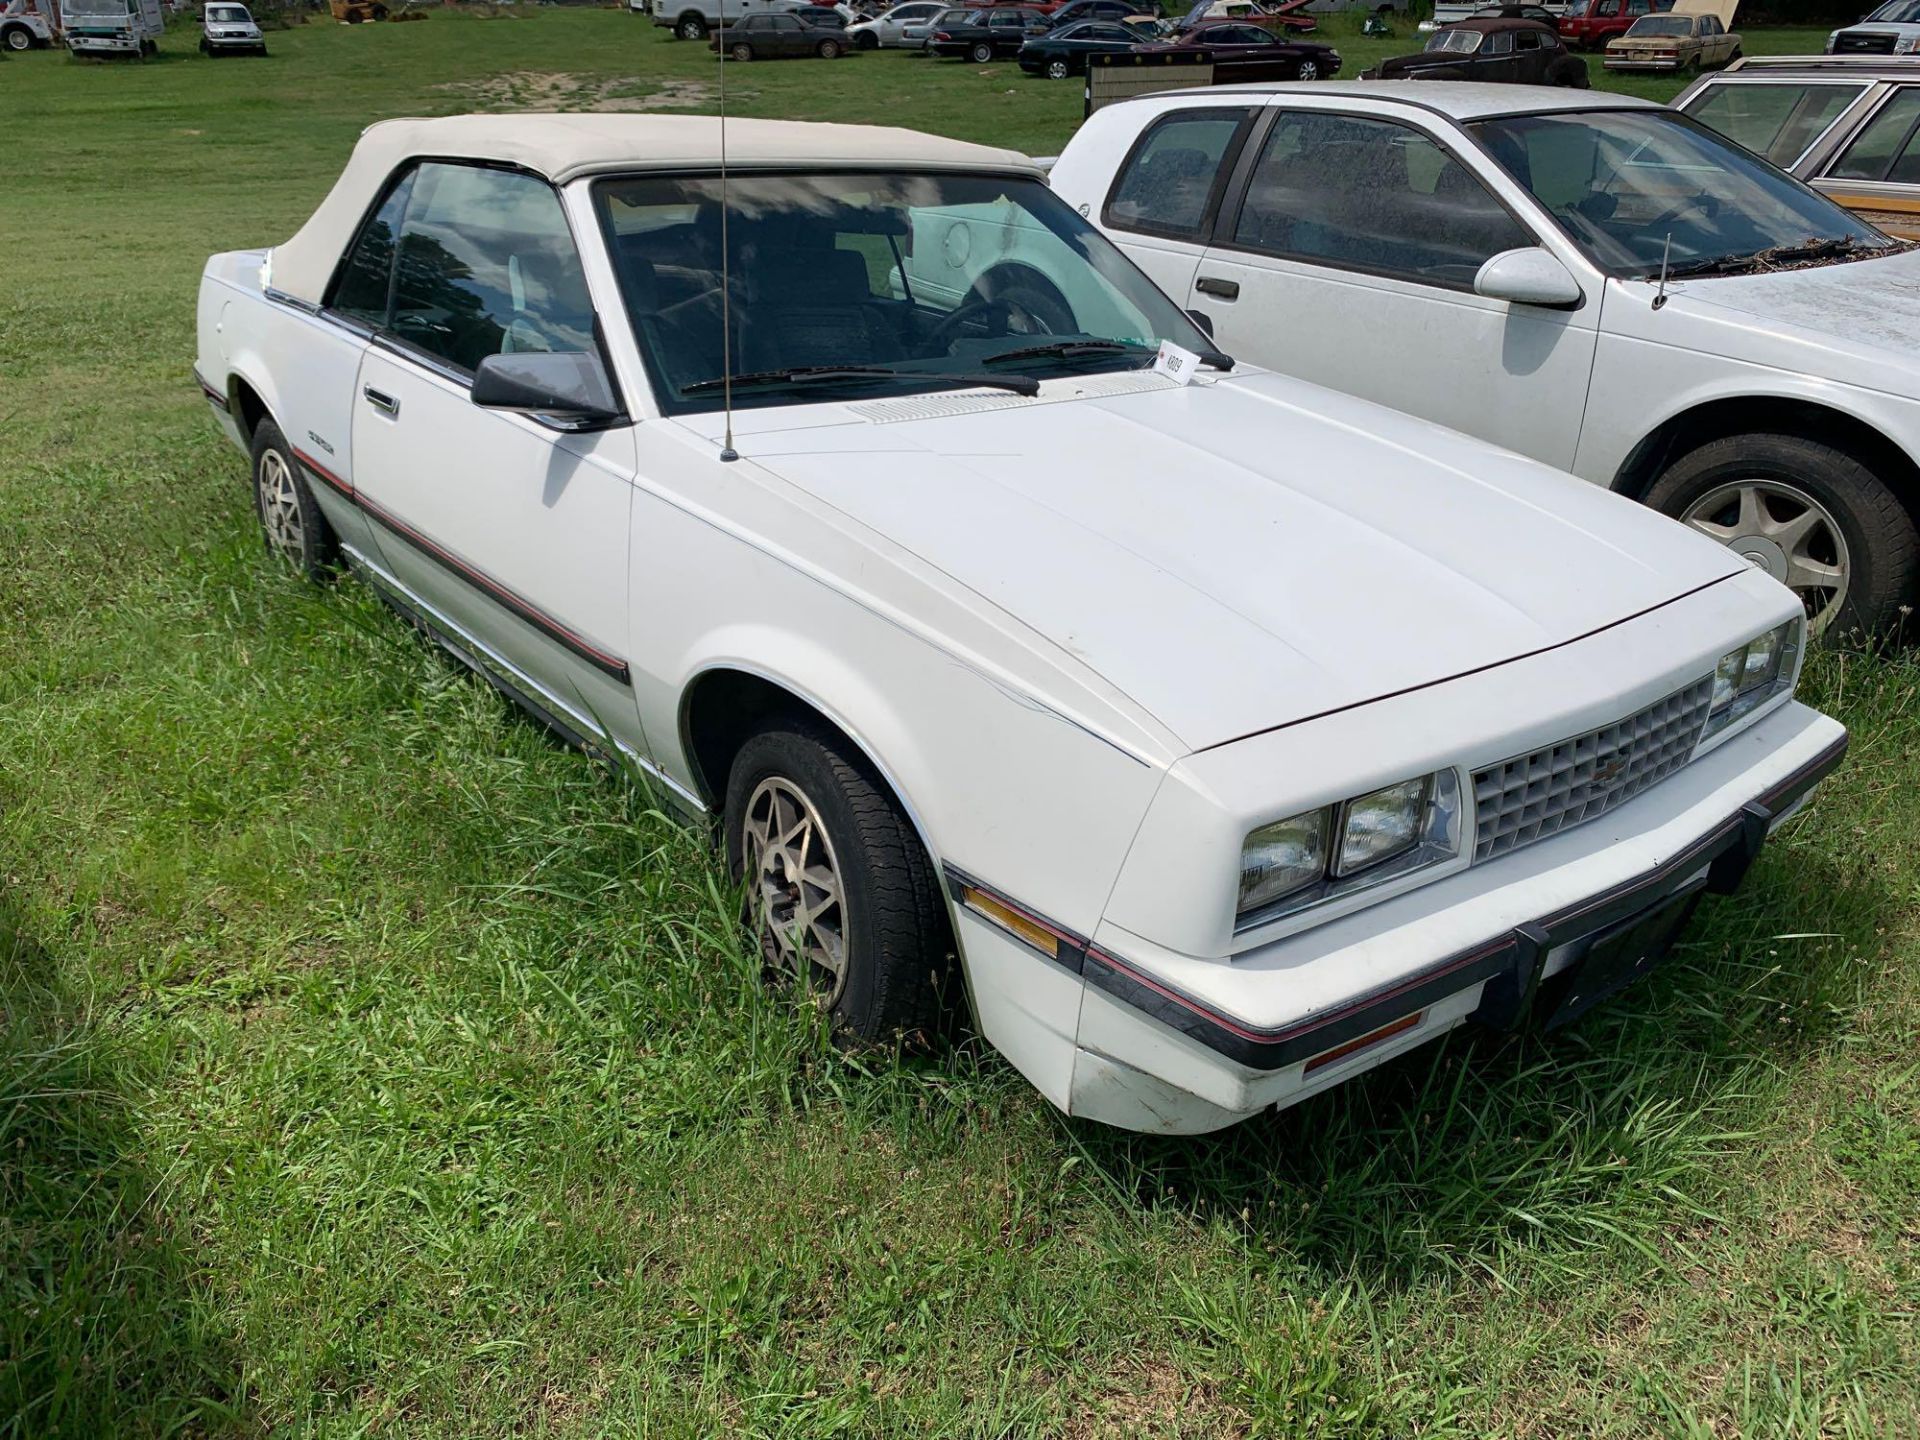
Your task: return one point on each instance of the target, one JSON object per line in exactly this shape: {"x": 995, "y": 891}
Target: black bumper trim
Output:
{"x": 1511, "y": 964}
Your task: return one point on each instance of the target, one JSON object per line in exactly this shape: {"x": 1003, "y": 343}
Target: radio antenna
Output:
{"x": 1666, "y": 254}
{"x": 727, "y": 452}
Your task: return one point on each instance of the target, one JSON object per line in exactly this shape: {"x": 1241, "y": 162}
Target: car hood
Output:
{"x": 1861, "y": 316}
{"x": 1239, "y": 554}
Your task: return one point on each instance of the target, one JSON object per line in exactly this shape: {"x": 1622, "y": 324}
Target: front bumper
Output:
{"x": 1127, "y": 1038}
{"x": 1636, "y": 62}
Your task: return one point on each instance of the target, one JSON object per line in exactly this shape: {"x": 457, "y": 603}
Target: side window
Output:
{"x": 487, "y": 266}
{"x": 1526, "y": 39}
{"x": 1500, "y": 43}
{"x": 1885, "y": 148}
{"x": 1779, "y": 121}
{"x": 1167, "y": 184}
{"x": 1371, "y": 195}
{"x": 366, "y": 280}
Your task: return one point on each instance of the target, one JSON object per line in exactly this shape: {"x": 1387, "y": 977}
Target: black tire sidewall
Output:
{"x": 1883, "y": 564}
{"x": 319, "y": 549}
{"x": 799, "y": 756}
{"x": 974, "y": 54}
{"x": 1058, "y": 70}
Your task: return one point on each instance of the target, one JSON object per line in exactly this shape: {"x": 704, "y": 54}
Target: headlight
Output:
{"x": 1323, "y": 854}
{"x": 1747, "y": 678}
{"x": 1906, "y": 45}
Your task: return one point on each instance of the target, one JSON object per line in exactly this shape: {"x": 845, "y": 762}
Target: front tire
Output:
{"x": 981, "y": 53}
{"x": 828, "y": 50}
{"x": 1058, "y": 70}
{"x": 868, "y": 41}
{"x": 18, "y": 38}
{"x": 742, "y": 53}
{"x": 1812, "y": 516}
{"x": 290, "y": 519}
{"x": 1307, "y": 70}
{"x": 691, "y": 27}
{"x": 840, "y": 893}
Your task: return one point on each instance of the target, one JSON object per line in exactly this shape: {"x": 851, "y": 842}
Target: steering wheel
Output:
{"x": 941, "y": 339}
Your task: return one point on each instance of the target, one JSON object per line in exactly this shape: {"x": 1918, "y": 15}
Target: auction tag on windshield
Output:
{"x": 1176, "y": 364}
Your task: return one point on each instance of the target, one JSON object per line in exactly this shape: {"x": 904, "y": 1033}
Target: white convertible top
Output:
{"x": 563, "y": 147}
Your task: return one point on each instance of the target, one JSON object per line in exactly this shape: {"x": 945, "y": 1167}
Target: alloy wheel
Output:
{"x": 1058, "y": 70}
{"x": 1309, "y": 70}
{"x": 796, "y": 900}
{"x": 280, "y": 507}
{"x": 1781, "y": 529}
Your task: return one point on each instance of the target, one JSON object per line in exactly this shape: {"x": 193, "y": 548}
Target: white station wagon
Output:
{"x": 1232, "y": 735}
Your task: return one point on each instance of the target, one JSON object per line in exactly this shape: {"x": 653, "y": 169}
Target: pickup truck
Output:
{"x": 1183, "y": 722}
{"x": 27, "y": 24}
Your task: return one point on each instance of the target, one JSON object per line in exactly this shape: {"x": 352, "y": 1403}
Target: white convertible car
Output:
{"x": 1232, "y": 735}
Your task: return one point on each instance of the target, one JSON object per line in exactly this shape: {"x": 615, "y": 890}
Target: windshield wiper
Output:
{"x": 838, "y": 375}
{"x": 1067, "y": 349}
{"x": 1831, "y": 249}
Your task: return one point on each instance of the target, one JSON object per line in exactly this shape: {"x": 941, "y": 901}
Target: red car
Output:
{"x": 1589, "y": 24}
{"x": 1244, "y": 51}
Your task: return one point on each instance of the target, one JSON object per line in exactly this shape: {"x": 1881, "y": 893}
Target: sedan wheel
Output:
{"x": 280, "y": 507}
{"x": 1812, "y": 515}
{"x": 981, "y": 53}
{"x": 742, "y": 53}
{"x": 1058, "y": 70}
{"x": 1781, "y": 529}
{"x": 828, "y": 50}
{"x": 1309, "y": 70}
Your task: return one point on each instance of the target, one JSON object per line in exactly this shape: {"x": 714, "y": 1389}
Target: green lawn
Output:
{"x": 374, "y": 1066}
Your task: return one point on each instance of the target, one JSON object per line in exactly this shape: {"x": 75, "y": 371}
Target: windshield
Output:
{"x": 1622, "y": 182}
{"x": 96, "y": 9}
{"x": 226, "y": 14}
{"x": 914, "y": 281}
{"x": 1900, "y": 12}
{"x": 1454, "y": 42}
{"x": 1662, "y": 25}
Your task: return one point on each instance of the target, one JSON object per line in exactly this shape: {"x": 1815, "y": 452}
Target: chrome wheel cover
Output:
{"x": 1781, "y": 529}
{"x": 280, "y": 506}
{"x": 795, "y": 900}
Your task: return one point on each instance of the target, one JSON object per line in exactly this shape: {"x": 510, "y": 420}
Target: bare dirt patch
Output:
{"x": 561, "y": 90}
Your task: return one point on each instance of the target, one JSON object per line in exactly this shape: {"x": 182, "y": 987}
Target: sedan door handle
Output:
{"x": 382, "y": 401}
{"x": 1219, "y": 289}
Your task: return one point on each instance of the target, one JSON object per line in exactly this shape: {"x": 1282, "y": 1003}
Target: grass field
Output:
{"x": 374, "y": 1066}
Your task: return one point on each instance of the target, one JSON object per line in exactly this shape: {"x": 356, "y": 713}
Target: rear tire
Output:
{"x": 290, "y": 519}
{"x": 981, "y": 53}
{"x": 855, "y": 883}
{"x": 1868, "y": 531}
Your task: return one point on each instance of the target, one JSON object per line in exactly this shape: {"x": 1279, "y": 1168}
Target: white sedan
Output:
{"x": 1231, "y": 735}
{"x": 1596, "y": 282}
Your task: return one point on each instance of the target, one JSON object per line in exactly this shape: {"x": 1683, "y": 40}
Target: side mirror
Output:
{"x": 1528, "y": 276}
{"x": 571, "y": 386}
{"x": 1203, "y": 320}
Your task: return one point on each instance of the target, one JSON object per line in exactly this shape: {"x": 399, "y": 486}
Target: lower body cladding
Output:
{"x": 1538, "y": 935}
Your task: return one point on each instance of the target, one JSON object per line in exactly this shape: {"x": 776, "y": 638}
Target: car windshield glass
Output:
{"x": 1454, "y": 42}
{"x": 915, "y": 281}
{"x": 226, "y": 14}
{"x": 1622, "y": 183}
{"x": 1900, "y": 12}
{"x": 96, "y": 9}
{"x": 1662, "y": 25}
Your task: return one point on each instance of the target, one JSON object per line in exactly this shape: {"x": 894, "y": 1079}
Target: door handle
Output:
{"x": 382, "y": 401}
{"x": 1219, "y": 289}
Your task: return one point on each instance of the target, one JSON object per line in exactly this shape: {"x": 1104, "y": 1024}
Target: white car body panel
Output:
{"x": 1089, "y": 638}
{"x": 1579, "y": 389}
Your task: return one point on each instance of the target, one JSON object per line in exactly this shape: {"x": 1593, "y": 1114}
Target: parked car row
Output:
{"x": 105, "y": 28}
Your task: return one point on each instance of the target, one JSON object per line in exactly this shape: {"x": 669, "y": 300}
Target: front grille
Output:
{"x": 1870, "y": 43}
{"x": 1533, "y": 796}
